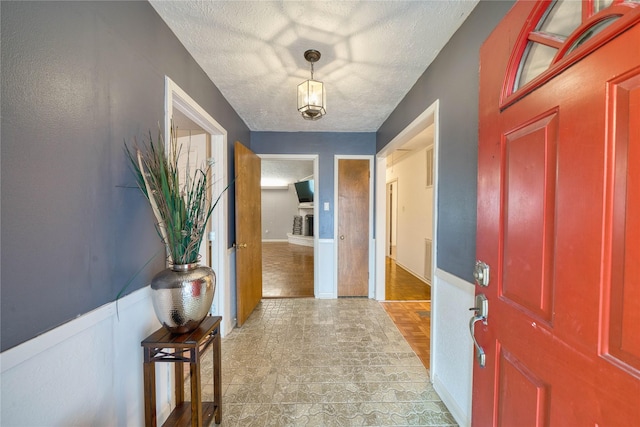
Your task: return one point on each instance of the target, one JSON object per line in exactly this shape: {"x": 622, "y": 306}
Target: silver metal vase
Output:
{"x": 182, "y": 296}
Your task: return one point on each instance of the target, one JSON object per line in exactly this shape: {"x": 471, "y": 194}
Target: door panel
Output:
{"x": 353, "y": 227}
{"x": 558, "y": 209}
{"x": 623, "y": 330}
{"x": 248, "y": 232}
{"x": 523, "y": 397}
{"x": 529, "y": 204}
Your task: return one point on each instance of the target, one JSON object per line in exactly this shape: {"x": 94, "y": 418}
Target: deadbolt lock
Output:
{"x": 481, "y": 273}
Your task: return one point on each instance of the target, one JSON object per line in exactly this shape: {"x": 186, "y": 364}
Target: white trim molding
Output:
{"x": 428, "y": 117}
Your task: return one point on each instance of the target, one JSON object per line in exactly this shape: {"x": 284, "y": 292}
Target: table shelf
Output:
{"x": 181, "y": 415}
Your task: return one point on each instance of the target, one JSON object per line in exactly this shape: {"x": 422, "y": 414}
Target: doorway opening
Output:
{"x": 289, "y": 225}
{"x": 406, "y": 186}
{"x": 210, "y": 138}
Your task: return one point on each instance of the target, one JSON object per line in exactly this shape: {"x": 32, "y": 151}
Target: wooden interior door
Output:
{"x": 559, "y": 227}
{"x": 353, "y": 227}
{"x": 248, "y": 235}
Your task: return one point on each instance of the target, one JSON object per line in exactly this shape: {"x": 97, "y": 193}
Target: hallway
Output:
{"x": 408, "y": 303}
{"x": 310, "y": 362}
{"x": 287, "y": 272}
{"x": 401, "y": 285}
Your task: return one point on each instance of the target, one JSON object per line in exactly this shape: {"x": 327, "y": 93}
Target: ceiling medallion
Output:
{"x": 312, "y": 99}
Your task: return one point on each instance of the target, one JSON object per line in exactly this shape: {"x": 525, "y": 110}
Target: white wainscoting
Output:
{"x": 87, "y": 371}
{"x": 325, "y": 273}
{"x": 451, "y": 345}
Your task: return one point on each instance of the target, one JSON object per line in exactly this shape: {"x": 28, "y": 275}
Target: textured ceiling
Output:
{"x": 372, "y": 54}
{"x": 279, "y": 172}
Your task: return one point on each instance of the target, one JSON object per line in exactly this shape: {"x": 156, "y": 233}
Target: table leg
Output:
{"x": 149, "y": 372}
{"x": 179, "y": 374}
{"x": 217, "y": 384}
{"x": 196, "y": 397}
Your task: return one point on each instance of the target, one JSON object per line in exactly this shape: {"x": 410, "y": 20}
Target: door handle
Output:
{"x": 482, "y": 311}
{"x": 240, "y": 245}
{"x": 342, "y": 237}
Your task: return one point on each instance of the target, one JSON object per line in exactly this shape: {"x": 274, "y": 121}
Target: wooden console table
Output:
{"x": 163, "y": 346}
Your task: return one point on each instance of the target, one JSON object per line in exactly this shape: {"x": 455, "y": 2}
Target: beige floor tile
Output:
{"x": 308, "y": 362}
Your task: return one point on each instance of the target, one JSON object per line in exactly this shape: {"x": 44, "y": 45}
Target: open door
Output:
{"x": 559, "y": 218}
{"x": 248, "y": 232}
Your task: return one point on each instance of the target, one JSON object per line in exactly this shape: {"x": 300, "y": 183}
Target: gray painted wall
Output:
{"x": 453, "y": 79}
{"x": 78, "y": 78}
{"x": 326, "y": 145}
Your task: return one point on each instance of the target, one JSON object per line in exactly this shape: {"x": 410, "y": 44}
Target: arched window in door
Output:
{"x": 560, "y": 33}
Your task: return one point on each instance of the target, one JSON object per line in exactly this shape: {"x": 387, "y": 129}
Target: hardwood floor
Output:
{"x": 413, "y": 320}
{"x": 408, "y": 303}
{"x": 400, "y": 285}
{"x": 287, "y": 270}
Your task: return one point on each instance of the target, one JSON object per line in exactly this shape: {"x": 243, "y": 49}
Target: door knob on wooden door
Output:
{"x": 342, "y": 237}
{"x": 240, "y": 245}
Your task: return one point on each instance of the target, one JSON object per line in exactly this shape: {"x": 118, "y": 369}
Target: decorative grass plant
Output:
{"x": 181, "y": 207}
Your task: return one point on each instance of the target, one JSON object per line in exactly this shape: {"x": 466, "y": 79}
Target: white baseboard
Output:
{"x": 413, "y": 273}
{"x": 299, "y": 239}
{"x": 327, "y": 295}
{"x": 457, "y": 412}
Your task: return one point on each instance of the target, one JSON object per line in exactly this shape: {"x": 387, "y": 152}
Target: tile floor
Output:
{"x": 308, "y": 362}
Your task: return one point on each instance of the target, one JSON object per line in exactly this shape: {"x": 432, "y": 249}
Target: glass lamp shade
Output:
{"x": 312, "y": 100}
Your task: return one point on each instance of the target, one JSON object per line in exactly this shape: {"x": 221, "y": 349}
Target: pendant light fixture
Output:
{"x": 312, "y": 99}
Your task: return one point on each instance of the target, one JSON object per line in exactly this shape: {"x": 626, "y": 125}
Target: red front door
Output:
{"x": 559, "y": 219}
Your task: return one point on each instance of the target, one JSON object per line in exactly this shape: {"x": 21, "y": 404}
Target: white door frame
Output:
{"x": 316, "y": 202}
{"x": 372, "y": 245}
{"x": 176, "y": 98}
{"x": 391, "y": 229}
{"x": 425, "y": 119}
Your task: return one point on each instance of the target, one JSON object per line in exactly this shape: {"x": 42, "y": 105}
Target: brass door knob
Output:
{"x": 342, "y": 237}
